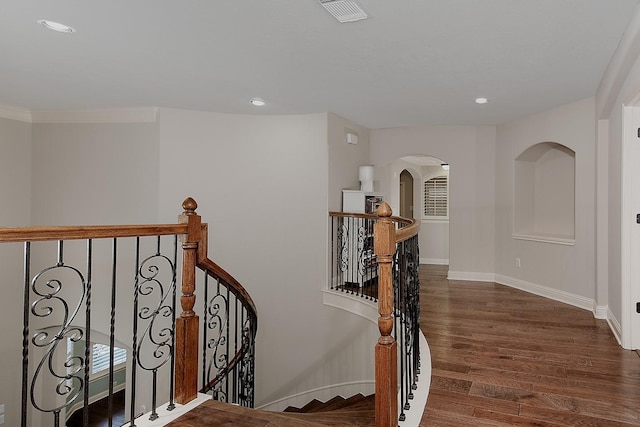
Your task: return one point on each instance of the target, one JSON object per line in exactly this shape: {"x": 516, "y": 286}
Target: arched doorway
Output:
{"x": 406, "y": 194}
{"x": 424, "y": 172}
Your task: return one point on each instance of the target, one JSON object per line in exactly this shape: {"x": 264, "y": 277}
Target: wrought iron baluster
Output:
{"x": 112, "y": 327}
{"x": 205, "y": 330}
{"x": 156, "y": 335}
{"x": 49, "y": 288}
{"x": 172, "y": 365}
{"x": 87, "y": 341}
{"x": 25, "y": 332}
{"x": 134, "y": 344}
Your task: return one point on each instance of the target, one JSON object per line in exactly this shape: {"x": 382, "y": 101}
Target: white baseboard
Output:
{"x": 165, "y": 417}
{"x": 435, "y": 261}
{"x": 471, "y": 276}
{"x": 600, "y": 311}
{"x": 547, "y": 292}
{"x": 614, "y": 325}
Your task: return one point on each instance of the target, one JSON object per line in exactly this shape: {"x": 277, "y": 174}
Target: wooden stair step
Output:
{"x": 355, "y": 402}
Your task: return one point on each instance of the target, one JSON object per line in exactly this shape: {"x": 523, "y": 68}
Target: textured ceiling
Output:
{"x": 414, "y": 62}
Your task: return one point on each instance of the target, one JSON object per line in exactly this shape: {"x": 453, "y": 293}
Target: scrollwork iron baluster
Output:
{"x": 49, "y": 288}
{"x": 156, "y": 345}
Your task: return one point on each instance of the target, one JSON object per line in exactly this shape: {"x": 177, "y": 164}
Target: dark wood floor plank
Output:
{"x": 551, "y": 364}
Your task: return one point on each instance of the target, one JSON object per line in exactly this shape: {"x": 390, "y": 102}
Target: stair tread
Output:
{"x": 355, "y": 402}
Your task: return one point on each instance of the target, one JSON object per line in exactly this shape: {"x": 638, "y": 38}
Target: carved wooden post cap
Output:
{"x": 189, "y": 205}
{"x": 384, "y": 210}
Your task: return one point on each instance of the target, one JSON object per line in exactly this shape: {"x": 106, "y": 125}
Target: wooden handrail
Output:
{"x": 192, "y": 234}
{"x": 234, "y": 286}
{"x": 407, "y": 232}
{"x": 34, "y": 234}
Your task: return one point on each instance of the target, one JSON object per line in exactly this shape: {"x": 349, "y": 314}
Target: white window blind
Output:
{"x": 436, "y": 195}
{"x": 100, "y": 357}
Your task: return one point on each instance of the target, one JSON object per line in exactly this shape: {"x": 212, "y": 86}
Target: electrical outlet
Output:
{"x": 518, "y": 262}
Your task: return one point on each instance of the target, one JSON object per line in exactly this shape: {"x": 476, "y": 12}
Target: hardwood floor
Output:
{"x": 99, "y": 413}
{"x": 503, "y": 357}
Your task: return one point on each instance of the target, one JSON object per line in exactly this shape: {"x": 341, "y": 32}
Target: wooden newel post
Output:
{"x": 386, "y": 348}
{"x": 187, "y": 324}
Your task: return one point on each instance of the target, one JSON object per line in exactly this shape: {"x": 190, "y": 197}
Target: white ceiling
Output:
{"x": 414, "y": 62}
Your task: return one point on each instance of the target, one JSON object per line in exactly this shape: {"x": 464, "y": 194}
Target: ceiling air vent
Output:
{"x": 344, "y": 10}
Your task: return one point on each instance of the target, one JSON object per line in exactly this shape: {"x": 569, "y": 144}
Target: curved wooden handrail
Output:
{"x": 193, "y": 235}
{"x": 410, "y": 229}
{"x": 234, "y": 286}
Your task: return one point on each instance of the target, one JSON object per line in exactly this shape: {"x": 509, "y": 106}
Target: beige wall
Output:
{"x": 95, "y": 173}
{"x": 470, "y": 151}
{"x": 15, "y": 208}
{"x": 261, "y": 184}
{"x": 617, "y": 174}
{"x": 568, "y": 269}
{"x": 345, "y": 158}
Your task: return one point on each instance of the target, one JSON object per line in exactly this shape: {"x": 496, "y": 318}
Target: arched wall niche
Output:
{"x": 544, "y": 199}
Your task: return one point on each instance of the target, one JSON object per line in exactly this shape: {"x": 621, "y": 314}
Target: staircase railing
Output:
{"x": 82, "y": 303}
{"x": 376, "y": 257}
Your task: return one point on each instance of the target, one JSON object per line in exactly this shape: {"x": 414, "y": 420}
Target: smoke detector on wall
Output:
{"x": 344, "y": 10}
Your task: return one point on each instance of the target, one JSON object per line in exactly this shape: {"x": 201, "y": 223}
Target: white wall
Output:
{"x": 470, "y": 151}
{"x": 15, "y": 209}
{"x": 617, "y": 187}
{"x": 345, "y": 158}
{"x": 566, "y": 271}
{"x": 261, "y": 184}
{"x": 434, "y": 233}
{"x": 95, "y": 173}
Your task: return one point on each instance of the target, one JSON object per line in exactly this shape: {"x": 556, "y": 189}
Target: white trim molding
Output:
{"x": 547, "y": 292}
{"x": 435, "y": 261}
{"x": 471, "y": 276}
{"x": 15, "y": 113}
{"x": 614, "y": 325}
{"x": 600, "y": 311}
{"x": 106, "y": 115}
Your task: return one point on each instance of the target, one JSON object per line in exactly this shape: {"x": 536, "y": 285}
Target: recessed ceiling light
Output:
{"x": 257, "y": 102}
{"x": 481, "y": 100}
{"x": 56, "y": 26}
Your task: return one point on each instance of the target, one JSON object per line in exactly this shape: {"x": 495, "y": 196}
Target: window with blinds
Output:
{"x": 436, "y": 197}
{"x": 100, "y": 357}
